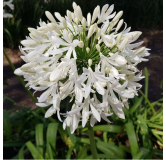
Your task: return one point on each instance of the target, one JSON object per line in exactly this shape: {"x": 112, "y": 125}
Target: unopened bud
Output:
{"x": 87, "y": 49}
{"x": 95, "y": 13}
{"x": 76, "y": 20}
{"x": 91, "y": 31}
{"x": 98, "y": 47}
{"x": 98, "y": 32}
{"x": 89, "y": 62}
{"x": 120, "y": 60}
{"x": 88, "y": 19}
{"x": 69, "y": 15}
{"x": 118, "y": 38}
{"x": 81, "y": 44}
{"x": 50, "y": 17}
{"x": 140, "y": 50}
{"x": 117, "y": 17}
{"x": 83, "y": 22}
{"x": 64, "y": 22}
{"x": 70, "y": 37}
{"x": 123, "y": 44}
{"x": 119, "y": 25}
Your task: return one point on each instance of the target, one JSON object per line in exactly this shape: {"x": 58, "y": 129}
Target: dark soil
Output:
{"x": 153, "y": 39}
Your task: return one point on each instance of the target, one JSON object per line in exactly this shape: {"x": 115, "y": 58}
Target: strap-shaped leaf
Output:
{"x": 132, "y": 137}
{"x": 141, "y": 154}
{"x": 52, "y": 134}
{"x": 39, "y": 137}
{"x": 34, "y": 152}
{"x": 7, "y": 125}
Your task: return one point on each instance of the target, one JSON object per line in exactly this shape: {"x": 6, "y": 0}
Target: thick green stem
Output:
{"x": 19, "y": 78}
{"x": 92, "y": 141}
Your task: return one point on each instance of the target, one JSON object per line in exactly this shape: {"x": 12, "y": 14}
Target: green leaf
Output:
{"x": 111, "y": 149}
{"x": 132, "y": 137}
{"x": 49, "y": 151}
{"x": 35, "y": 153}
{"x": 106, "y": 128}
{"x": 141, "y": 154}
{"x": 72, "y": 136}
{"x": 22, "y": 152}
{"x": 39, "y": 137}
{"x": 144, "y": 131}
{"x": 68, "y": 156}
{"x": 137, "y": 103}
{"x": 7, "y": 125}
{"x": 52, "y": 134}
{"x": 157, "y": 152}
{"x": 13, "y": 144}
{"x": 100, "y": 156}
{"x": 10, "y": 37}
{"x": 83, "y": 152}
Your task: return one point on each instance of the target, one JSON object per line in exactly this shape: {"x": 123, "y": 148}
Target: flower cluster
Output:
{"x": 91, "y": 60}
{"x": 11, "y": 6}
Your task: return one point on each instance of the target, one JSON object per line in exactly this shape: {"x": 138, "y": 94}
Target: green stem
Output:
{"x": 92, "y": 141}
{"x": 147, "y": 100}
{"x": 19, "y": 78}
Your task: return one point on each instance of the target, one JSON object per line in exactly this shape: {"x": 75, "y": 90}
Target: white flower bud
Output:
{"x": 89, "y": 62}
{"x": 98, "y": 32}
{"x": 98, "y": 47}
{"x": 140, "y": 50}
{"x": 69, "y": 15}
{"x": 123, "y": 44}
{"x": 119, "y": 25}
{"x": 117, "y": 17}
{"x": 76, "y": 20}
{"x": 83, "y": 22}
{"x": 74, "y": 6}
{"x": 95, "y": 14}
{"x": 118, "y": 38}
{"x": 58, "y": 16}
{"x": 70, "y": 37}
{"x": 72, "y": 15}
{"x": 79, "y": 13}
{"x": 87, "y": 49}
{"x": 88, "y": 19}
{"x": 81, "y": 44}
{"x": 91, "y": 31}
{"x": 50, "y": 17}
{"x": 120, "y": 60}
{"x": 64, "y": 22}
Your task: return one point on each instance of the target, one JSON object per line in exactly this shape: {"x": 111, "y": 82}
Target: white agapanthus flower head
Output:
{"x": 91, "y": 60}
{"x": 10, "y": 5}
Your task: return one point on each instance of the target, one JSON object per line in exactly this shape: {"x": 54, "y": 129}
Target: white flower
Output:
{"x": 88, "y": 60}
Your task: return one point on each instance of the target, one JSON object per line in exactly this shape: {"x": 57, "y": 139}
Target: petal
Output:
{"x": 50, "y": 112}
{"x": 95, "y": 113}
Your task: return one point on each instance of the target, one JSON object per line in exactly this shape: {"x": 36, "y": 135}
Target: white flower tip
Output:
{"x": 87, "y": 49}
{"x": 89, "y": 62}
{"x": 81, "y": 44}
{"x": 18, "y": 72}
{"x": 98, "y": 47}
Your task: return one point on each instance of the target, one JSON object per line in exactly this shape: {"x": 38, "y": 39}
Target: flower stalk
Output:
{"x": 92, "y": 141}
